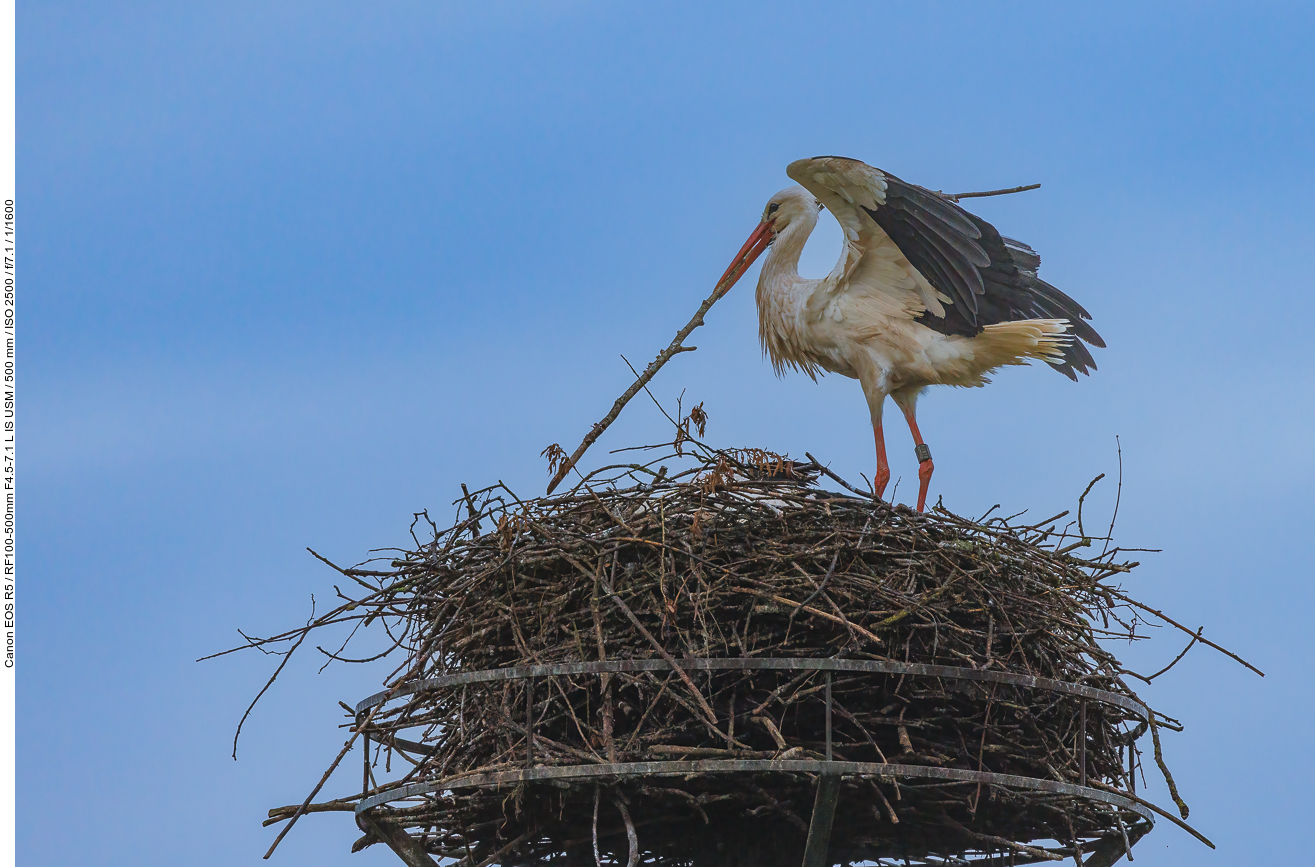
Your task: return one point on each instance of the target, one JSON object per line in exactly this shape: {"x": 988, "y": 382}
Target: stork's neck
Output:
{"x": 782, "y": 294}
{"x": 781, "y": 268}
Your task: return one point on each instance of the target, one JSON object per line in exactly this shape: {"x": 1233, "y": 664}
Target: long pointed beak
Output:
{"x": 752, "y": 249}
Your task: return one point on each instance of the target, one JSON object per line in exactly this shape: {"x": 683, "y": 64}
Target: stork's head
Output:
{"x": 793, "y": 206}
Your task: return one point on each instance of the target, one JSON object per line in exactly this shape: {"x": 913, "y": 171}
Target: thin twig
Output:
{"x": 954, "y": 197}
{"x": 598, "y": 858}
{"x": 662, "y": 651}
{"x": 1145, "y": 803}
{"x": 301, "y": 811}
{"x": 631, "y": 837}
{"x": 1001, "y": 841}
{"x": 1169, "y": 620}
{"x": 833, "y": 477}
{"x": 1082, "y": 499}
{"x": 674, "y": 348}
{"x": 1164, "y": 769}
{"x": 1176, "y": 659}
{"x": 1118, "y": 497}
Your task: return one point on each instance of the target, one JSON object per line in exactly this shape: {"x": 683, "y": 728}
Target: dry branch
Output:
{"x": 954, "y": 197}
{"x": 674, "y": 348}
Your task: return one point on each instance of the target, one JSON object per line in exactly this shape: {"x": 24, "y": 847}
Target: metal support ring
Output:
{"x": 494, "y": 779}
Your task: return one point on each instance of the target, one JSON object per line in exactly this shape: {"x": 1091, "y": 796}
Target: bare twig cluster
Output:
{"x": 739, "y": 556}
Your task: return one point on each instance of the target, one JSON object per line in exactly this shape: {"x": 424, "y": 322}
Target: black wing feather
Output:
{"x": 924, "y": 255}
{"x": 990, "y": 278}
{"x": 966, "y": 277}
{"x": 965, "y": 257}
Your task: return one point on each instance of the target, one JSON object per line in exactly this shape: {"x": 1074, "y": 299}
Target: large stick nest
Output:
{"x": 743, "y": 555}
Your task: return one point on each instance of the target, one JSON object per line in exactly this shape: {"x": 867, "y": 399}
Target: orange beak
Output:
{"x": 752, "y": 249}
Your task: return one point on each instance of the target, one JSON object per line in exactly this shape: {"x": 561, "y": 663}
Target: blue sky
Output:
{"x": 296, "y": 270}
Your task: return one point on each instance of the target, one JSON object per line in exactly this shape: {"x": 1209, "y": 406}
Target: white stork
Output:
{"x": 925, "y": 293}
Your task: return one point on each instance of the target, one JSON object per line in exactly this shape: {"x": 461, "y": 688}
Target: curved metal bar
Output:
{"x": 491, "y": 779}
{"x": 866, "y": 666}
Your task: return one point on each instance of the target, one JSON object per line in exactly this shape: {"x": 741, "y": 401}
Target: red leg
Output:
{"x": 925, "y": 466}
{"x": 883, "y": 469}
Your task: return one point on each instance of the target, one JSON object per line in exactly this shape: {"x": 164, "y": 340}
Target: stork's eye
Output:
{"x": 771, "y": 209}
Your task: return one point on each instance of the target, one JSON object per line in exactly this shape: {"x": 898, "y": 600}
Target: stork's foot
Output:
{"x": 880, "y": 480}
{"x": 925, "y": 468}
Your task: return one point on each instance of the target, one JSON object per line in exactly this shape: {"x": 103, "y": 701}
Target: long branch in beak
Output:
{"x": 752, "y": 249}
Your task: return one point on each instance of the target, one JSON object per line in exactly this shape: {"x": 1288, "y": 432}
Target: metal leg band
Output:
{"x": 923, "y": 451}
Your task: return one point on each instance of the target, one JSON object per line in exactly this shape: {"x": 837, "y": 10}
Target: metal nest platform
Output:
{"x": 731, "y": 665}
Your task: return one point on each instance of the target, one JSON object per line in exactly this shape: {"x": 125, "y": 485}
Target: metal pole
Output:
{"x": 404, "y": 846}
{"x": 828, "y": 716}
{"x": 365, "y": 771}
{"x": 1082, "y": 748}
{"x": 824, "y": 814}
{"x": 529, "y": 723}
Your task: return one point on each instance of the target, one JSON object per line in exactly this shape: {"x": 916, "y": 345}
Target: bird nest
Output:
{"x": 700, "y": 667}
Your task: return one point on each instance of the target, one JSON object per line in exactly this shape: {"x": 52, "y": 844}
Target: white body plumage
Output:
{"x": 879, "y": 316}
